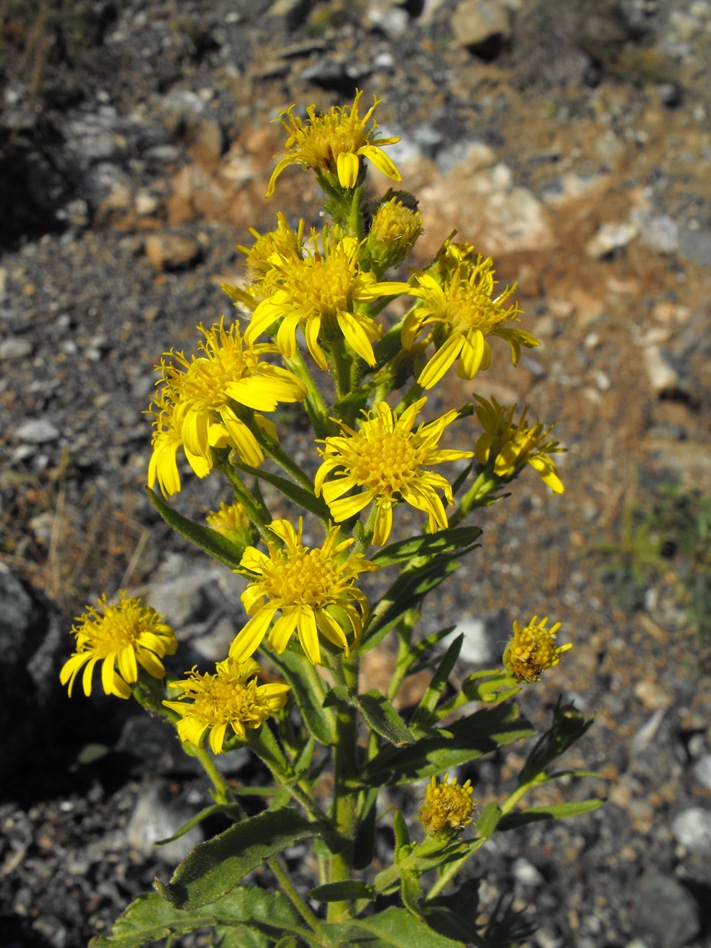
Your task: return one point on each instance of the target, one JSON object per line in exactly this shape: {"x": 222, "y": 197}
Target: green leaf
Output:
{"x": 455, "y": 914}
{"x": 347, "y": 891}
{"x": 310, "y": 692}
{"x": 405, "y": 594}
{"x": 393, "y": 928}
{"x": 467, "y": 739}
{"x": 568, "y": 726}
{"x": 204, "y": 537}
{"x": 410, "y": 892}
{"x": 382, "y": 718}
{"x": 149, "y": 918}
{"x": 557, "y": 811}
{"x": 214, "y": 867}
{"x": 424, "y": 715}
{"x": 458, "y": 539}
{"x": 299, "y": 495}
{"x": 198, "y": 818}
{"x": 402, "y": 834}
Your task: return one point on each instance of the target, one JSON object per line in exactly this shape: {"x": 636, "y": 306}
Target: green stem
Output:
{"x": 345, "y": 767}
{"x": 315, "y": 405}
{"x": 284, "y": 460}
{"x": 256, "y": 510}
{"x": 301, "y": 907}
{"x": 477, "y": 496}
{"x": 222, "y": 791}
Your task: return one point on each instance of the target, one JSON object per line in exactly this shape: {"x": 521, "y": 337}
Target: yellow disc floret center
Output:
{"x": 225, "y": 700}
{"x": 386, "y": 461}
{"x": 321, "y": 285}
{"x": 305, "y": 577}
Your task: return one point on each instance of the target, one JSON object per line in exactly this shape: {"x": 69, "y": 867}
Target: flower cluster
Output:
{"x": 313, "y": 299}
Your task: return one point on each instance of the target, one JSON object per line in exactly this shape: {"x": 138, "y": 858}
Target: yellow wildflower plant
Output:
{"x": 333, "y": 144}
{"x": 324, "y": 294}
{"x": 313, "y": 589}
{"x": 121, "y": 636}
{"x": 386, "y": 462}
{"x": 447, "y": 807}
{"x": 206, "y": 401}
{"x": 310, "y": 407}
{"x": 509, "y": 445}
{"x": 464, "y": 311}
{"x": 230, "y": 699}
{"x": 532, "y": 650}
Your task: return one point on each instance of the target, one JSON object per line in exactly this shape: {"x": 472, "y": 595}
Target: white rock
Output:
{"x": 37, "y": 431}
{"x": 611, "y": 237}
{"x": 692, "y": 830}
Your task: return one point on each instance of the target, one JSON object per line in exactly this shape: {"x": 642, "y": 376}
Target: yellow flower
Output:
{"x": 448, "y": 807}
{"x": 333, "y": 144}
{"x": 394, "y": 230}
{"x": 511, "y": 445}
{"x": 282, "y": 244}
{"x": 386, "y": 461}
{"x": 204, "y": 400}
{"x": 463, "y": 310}
{"x": 233, "y": 522}
{"x": 313, "y": 589}
{"x": 121, "y": 637}
{"x": 229, "y": 698}
{"x": 532, "y": 650}
{"x": 323, "y": 293}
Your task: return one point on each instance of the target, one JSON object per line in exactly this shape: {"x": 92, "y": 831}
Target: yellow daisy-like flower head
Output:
{"x": 532, "y": 650}
{"x": 386, "y": 462}
{"x": 313, "y": 589}
{"x": 282, "y": 244}
{"x": 323, "y": 294}
{"x": 448, "y": 807}
{"x": 509, "y": 445}
{"x": 121, "y": 637}
{"x": 458, "y": 301}
{"x": 233, "y": 522}
{"x": 204, "y": 401}
{"x": 394, "y": 230}
{"x": 231, "y": 698}
{"x": 334, "y": 144}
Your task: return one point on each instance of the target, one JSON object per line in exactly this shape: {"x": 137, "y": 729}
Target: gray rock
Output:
{"x": 158, "y": 817}
{"x": 702, "y": 771}
{"x": 37, "y": 431}
{"x": 666, "y": 910}
{"x": 15, "y": 348}
{"x": 692, "y": 830}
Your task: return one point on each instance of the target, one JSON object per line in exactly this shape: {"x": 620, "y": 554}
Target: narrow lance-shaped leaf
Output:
{"x": 310, "y": 693}
{"x": 202, "y": 536}
{"x": 556, "y": 811}
{"x": 568, "y": 726}
{"x": 382, "y": 718}
{"x": 458, "y": 540}
{"x": 466, "y": 739}
{"x": 424, "y": 716}
{"x": 216, "y": 866}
